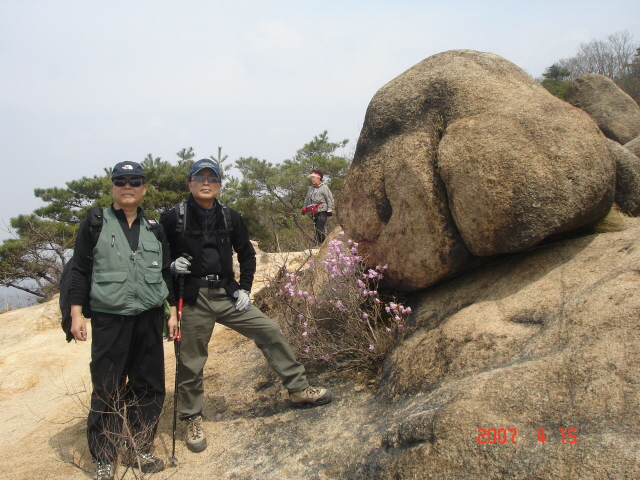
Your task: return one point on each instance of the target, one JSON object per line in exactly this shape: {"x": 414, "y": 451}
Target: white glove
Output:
{"x": 180, "y": 266}
{"x": 244, "y": 302}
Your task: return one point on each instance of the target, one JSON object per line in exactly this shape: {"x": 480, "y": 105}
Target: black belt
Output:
{"x": 211, "y": 281}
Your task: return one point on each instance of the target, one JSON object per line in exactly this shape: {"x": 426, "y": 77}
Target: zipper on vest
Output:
{"x": 135, "y": 283}
{"x": 113, "y": 244}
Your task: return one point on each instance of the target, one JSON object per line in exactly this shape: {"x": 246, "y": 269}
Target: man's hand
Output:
{"x": 172, "y": 325}
{"x": 180, "y": 266}
{"x": 329, "y": 213}
{"x": 78, "y": 323}
{"x": 244, "y": 302}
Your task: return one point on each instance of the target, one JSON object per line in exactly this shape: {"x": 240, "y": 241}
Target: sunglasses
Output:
{"x": 202, "y": 178}
{"x": 121, "y": 182}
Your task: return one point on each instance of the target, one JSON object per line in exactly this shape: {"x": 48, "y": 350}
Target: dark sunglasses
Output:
{"x": 134, "y": 182}
{"x": 202, "y": 178}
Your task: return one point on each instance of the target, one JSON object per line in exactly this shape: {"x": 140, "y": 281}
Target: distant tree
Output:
{"x": 220, "y": 160}
{"x": 613, "y": 58}
{"x": 630, "y": 82}
{"x": 555, "y": 72}
{"x": 554, "y": 80}
{"x": 33, "y": 259}
{"x": 270, "y": 196}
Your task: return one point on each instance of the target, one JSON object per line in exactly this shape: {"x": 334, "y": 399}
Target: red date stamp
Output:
{"x": 508, "y": 435}
{"x": 500, "y": 435}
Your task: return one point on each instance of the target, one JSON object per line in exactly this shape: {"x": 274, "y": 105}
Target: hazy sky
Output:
{"x": 86, "y": 84}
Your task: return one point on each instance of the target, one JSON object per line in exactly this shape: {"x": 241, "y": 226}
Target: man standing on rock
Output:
{"x": 207, "y": 231}
{"x": 126, "y": 274}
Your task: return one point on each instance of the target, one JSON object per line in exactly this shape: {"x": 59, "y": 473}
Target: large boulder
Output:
{"x": 615, "y": 112}
{"x": 627, "y": 179}
{"x": 465, "y": 155}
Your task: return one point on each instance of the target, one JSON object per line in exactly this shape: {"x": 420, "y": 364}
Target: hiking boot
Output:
{"x": 196, "y": 440}
{"x": 106, "y": 471}
{"x": 147, "y": 462}
{"x": 310, "y": 396}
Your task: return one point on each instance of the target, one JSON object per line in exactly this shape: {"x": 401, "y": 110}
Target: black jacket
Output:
{"x": 192, "y": 241}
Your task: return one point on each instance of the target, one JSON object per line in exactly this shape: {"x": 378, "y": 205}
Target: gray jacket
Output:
{"x": 319, "y": 194}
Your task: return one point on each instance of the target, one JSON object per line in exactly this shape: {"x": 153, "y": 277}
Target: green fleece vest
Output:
{"x": 126, "y": 282}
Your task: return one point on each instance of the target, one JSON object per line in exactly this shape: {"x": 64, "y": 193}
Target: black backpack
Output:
{"x": 94, "y": 217}
{"x": 180, "y": 210}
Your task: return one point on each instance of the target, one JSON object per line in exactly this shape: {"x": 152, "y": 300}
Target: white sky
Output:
{"x": 86, "y": 84}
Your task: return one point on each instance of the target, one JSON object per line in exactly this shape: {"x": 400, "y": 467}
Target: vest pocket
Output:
{"x": 153, "y": 277}
{"x": 109, "y": 289}
{"x": 152, "y": 289}
{"x": 151, "y": 246}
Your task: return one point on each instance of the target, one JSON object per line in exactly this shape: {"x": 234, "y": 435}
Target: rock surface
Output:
{"x": 615, "y": 112}
{"x": 634, "y": 146}
{"x": 465, "y": 155}
{"x": 627, "y": 179}
{"x": 542, "y": 339}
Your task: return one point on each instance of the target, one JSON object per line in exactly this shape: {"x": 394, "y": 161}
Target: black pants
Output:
{"x": 319, "y": 220}
{"x": 127, "y": 373}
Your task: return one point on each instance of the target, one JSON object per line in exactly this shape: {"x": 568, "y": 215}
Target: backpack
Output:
{"x": 180, "y": 210}
{"x": 95, "y": 219}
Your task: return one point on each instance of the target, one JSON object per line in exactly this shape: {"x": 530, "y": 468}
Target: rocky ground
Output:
{"x": 541, "y": 339}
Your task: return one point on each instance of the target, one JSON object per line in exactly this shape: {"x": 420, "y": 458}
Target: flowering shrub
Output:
{"x": 333, "y": 312}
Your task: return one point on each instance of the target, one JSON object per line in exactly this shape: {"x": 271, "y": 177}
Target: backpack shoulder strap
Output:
{"x": 95, "y": 219}
{"x": 180, "y": 211}
{"x": 154, "y": 226}
{"x": 228, "y": 222}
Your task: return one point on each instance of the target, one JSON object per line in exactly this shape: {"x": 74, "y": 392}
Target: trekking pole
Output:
{"x": 176, "y": 345}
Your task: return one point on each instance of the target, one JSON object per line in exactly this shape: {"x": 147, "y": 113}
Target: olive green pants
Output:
{"x": 215, "y": 305}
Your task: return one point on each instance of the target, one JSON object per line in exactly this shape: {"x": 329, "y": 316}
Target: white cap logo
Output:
{"x": 127, "y": 167}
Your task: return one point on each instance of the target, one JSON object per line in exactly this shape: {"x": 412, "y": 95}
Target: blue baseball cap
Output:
{"x": 202, "y": 164}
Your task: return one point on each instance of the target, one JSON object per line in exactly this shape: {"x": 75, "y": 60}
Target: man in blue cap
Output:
{"x": 210, "y": 232}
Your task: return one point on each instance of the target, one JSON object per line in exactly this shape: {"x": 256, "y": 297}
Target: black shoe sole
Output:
{"x": 152, "y": 467}
{"x": 198, "y": 447}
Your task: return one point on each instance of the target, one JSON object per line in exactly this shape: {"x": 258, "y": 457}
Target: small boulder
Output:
{"x": 615, "y": 112}
{"x": 627, "y": 179}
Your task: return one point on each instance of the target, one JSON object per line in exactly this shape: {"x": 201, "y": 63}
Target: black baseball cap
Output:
{"x": 127, "y": 168}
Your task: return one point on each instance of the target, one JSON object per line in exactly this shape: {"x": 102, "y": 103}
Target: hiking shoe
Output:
{"x": 106, "y": 471}
{"x": 196, "y": 440}
{"x": 147, "y": 462}
{"x": 310, "y": 396}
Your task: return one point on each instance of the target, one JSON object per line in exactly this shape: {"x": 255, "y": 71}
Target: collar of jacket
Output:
{"x": 120, "y": 213}
{"x": 191, "y": 202}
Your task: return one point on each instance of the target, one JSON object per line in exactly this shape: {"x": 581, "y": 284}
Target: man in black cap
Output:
{"x": 126, "y": 274}
{"x": 209, "y": 232}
